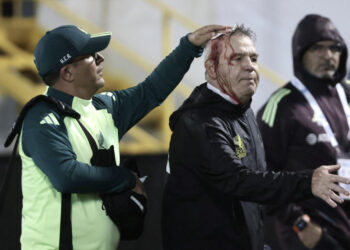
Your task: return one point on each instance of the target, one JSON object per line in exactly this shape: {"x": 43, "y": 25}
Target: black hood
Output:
{"x": 310, "y": 30}
{"x": 204, "y": 98}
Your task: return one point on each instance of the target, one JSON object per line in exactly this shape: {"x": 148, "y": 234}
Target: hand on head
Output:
{"x": 204, "y": 34}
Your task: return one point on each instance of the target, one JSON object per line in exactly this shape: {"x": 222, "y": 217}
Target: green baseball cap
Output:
{"x": 58, "y": 47}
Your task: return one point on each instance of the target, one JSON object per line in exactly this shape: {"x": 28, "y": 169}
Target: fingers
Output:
{"x": 213, "y": 28}
{"x": 336, "y": 197}
{"x": 339, "y": 189}
{"x": 205, "y": 33}
{"x": 337, "y": 178}
{"x": 332, "y": 168}
{"x": 332, "y": 199}
{"x": 330, "y": 202}
{"x": 324, "y": 185}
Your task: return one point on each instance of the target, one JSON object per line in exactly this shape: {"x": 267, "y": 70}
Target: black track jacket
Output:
{"x": 218, "y": 177}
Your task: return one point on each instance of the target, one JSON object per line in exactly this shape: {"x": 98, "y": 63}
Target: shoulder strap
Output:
{"x": 11, "y": 203}
{"x": 91, "y": 140}
{"x": 58, "y": 105}
{"x": 66, "y": 240}
{"x": 64, "y": 109}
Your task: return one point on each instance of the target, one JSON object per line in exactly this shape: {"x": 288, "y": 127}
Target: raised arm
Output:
{"x": 130, "y": 105}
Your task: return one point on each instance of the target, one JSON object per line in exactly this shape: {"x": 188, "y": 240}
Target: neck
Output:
{"x": 232, "y": 96}
{"x": 71, "y": 90}
{"x": 221, "y": 93}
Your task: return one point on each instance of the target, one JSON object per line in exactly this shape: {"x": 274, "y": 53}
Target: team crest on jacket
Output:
{"x": 311, "y": 139}
{"x": 240, "y": 149}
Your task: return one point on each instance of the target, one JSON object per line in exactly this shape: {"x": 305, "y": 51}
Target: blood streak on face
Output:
{"x": 223, "y": 45}
{"x": 216, "y": 50}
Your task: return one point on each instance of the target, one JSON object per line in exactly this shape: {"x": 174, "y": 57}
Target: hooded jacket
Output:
{"x": 295, "y": 140}
{"x": 217, "y": 177}
{"x": 310, "y": 30}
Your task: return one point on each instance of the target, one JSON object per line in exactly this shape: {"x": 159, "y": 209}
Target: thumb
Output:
{"x": 332, "y": 168}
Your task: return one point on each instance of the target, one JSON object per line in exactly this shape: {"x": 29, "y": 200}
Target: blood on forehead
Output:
{"x": 215, "y": 51}
{"x": 219, "y": 45}
{"x": 229, "y": 51}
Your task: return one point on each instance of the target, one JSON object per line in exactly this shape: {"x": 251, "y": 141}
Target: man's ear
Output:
{"x": 210, "y": 68}
{"x": 66, "y": 73}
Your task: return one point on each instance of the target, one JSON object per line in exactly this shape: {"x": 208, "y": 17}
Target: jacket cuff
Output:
{"x": 307, "y": 175}
{"x": 294, "y": 211}
{"x": 195, "y": 51}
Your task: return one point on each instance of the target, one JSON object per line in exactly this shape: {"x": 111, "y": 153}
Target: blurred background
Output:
{"x": 144, "y": 31}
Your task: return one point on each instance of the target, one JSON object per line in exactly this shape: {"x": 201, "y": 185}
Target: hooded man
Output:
{"x": 217, "y": 161}
{"x": 304, "y": 124}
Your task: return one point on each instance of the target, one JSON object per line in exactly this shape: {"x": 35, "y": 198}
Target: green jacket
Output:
{"x": 56, "y": 156}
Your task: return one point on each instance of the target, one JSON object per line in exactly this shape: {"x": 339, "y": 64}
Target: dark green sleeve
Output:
{"x": 130, "y": 105}
{"x": 49, "y": 147}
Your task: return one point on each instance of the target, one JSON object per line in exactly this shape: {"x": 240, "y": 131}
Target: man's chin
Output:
{"x": 326, "y": 74}
{"x": 247, "y": 97}
{"x": 101, "y": 83}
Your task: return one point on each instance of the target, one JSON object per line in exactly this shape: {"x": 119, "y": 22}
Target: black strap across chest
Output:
{"x": 65, "y": 242}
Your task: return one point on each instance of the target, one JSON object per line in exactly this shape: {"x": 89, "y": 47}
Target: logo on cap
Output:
{"x": 65, "y": 58}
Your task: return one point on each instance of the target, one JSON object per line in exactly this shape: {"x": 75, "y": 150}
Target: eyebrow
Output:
{"x": 247, "y": 54}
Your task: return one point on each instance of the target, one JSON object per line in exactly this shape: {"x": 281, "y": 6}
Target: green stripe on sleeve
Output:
{"x": 270, "y": 111}
{"x": 269, "y": 105}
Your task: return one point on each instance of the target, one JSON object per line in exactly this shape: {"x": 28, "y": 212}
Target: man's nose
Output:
{"x": 248, "y": 64}
{"x": 99, "y": 58}
{"x": 327, "y": 53}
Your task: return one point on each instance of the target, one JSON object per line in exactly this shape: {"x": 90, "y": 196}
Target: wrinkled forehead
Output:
{"x": 241, "y": 44}
{"x": 325, "y": 42}
{"x": 319, "y": 46}
{"x": 228, "y": 45}
{"x": 237, "y": 42}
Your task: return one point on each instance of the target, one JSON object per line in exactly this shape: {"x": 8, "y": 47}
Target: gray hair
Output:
{"x": 238, "y": 29}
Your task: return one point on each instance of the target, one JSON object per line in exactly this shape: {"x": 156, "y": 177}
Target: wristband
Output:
{"x": 301, "y": 223}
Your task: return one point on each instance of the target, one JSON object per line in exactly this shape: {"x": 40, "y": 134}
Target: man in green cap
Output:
{"x": 56, "y": 153}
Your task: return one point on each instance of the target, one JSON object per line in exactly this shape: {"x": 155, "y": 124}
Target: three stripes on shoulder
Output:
{"x": 270, "y": 111}
{"x": 49, "y": 119}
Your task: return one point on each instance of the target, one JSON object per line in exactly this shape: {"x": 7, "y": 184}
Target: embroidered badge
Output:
{"x": 240, "y": 149}
{"x": 311, "y": 139}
